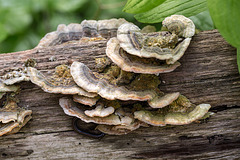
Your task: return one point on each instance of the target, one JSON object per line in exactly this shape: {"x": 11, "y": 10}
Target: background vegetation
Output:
{"x": 24, "y": 22}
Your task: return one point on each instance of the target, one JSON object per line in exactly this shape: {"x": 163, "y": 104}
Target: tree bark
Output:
{"x": 208, "y": 74}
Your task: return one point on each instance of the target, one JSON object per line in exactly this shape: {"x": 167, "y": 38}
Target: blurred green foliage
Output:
{"x": 24, "y": 22}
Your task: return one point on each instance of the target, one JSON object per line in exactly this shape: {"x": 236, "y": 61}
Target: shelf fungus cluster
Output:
{"x": 12, "y": 117}
{"x": 123, "y": 92}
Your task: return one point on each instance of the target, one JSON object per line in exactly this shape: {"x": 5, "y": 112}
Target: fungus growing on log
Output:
{"x": 15, "y": 77}
{"x": 136, "y": 64}
{"x": 6, "y": 88}
{"x": 13, "y": 118}
{"x": 165, "y": 45}
{"x": 90, "y": 101}
{"x": 180, "y": 25}
{"x": 173, "y": 118}
{"x": 73, "y": 109}
{"x": 126, "y": 75}
{"x": 60, "y": 82}
{"x": 100, "y": 111}
{"x": 93, "y": 82}
{"x": 74, "y": 31}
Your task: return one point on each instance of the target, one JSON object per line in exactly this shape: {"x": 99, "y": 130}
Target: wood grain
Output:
{"x": 208, "y": 74}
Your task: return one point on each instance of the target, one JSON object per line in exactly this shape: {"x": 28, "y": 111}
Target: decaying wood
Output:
{"x": 208, "y": 74}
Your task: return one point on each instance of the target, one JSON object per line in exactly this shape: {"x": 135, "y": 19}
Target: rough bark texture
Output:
{"x": 208, "y": 74}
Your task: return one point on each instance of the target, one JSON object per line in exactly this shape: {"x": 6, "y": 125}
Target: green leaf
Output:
{"x": 203, "y": 21}
{"x": 3, "y": 33}
{"x": 17, "y": 20}
{"x": 15, "y": 15}
{"x": 140, "y": 6}
{"x": 69, "y": 5}
{"x": 226, "y": 17}
{"x": 183, "y": 7}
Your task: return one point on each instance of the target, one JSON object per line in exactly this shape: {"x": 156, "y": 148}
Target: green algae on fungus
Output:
{"x": 102, "y": 63}
{"x": 172, "y": 118}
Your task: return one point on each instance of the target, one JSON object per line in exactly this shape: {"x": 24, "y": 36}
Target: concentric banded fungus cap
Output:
{"x": 87, "y": 28}
{"x": 119, "y": 129}
{"x": 179, "y": 51}
{"x": 13, "y": 118}
{"x": 155, "y": 45}
{"x": 136, "y": 64}
{"x": 180, "y": 25}
{"x": 100, "y": 111}
{"x": 108, "y": 28}
{"x": 15, "y": 77}
{"x": 90, "y": 28}
{"x": 174, "y": 118}
{"x": 63, "y": 34}
{"x": 90, "y": 101}
{"x": 92, "y": 82}
{"x": 5, "y": 88}
{"x": 84, "y": 78}
{"x": 165, "y": 100}
{"x": 183, "y": 27}
{"x": 60, "y": 82}
{"x": 73, "y": 109}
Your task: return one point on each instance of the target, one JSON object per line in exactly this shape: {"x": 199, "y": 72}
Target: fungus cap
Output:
{"x": 53, "y": 85}
{"x": 136, "y": 64}
{"x": 174, "y": 118}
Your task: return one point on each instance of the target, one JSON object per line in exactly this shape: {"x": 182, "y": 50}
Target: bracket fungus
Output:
{"x": 5, "y": 88}
{"x": 100, "y": 111}
{"x": 173, "y": 118}
{"x": 60, "y": 82}
{"x": 136, "y": 64}
{"x": 13, "y": 118}
{"x": 165, "y": 45}
{"x": 73, "y": 109}
{"x": 74, "y": 31}
{"x": 15, "y": 77}
{"x": 123, "y": 94}
{"x": 93, "y": 82}
{"x": 90, "y": 101}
